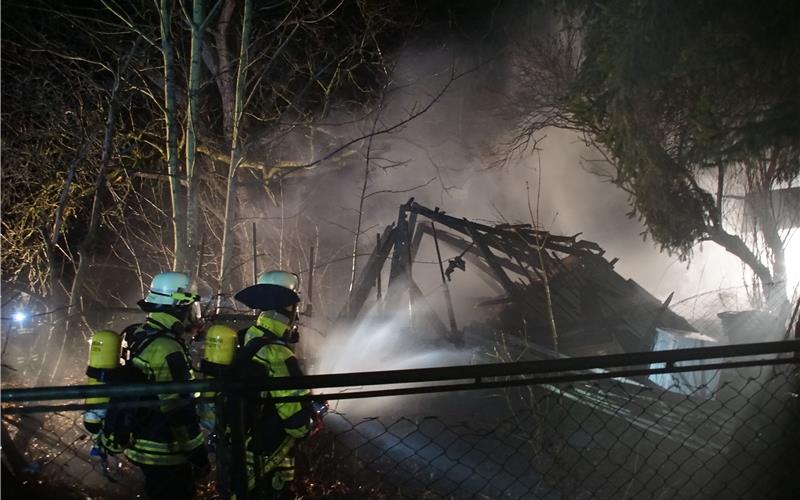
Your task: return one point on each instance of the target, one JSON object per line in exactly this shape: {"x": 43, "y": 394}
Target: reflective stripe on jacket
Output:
{"x": 168, "y": 433}
{"x": 278, "y": 360}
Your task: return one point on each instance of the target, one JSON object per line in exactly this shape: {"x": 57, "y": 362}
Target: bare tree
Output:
{"x": 239, "y": 101}
{"x": 179, "y": 216}
{"x": 86, "y": 247}
{"x": 197, "y": 22}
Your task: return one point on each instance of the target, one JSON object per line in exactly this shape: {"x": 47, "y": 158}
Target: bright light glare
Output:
{"x": 20, "y": 316}
{"x": 792, "y": 253}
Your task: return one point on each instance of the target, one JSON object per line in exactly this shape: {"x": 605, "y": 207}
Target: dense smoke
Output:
{"x": 449, "y": 155}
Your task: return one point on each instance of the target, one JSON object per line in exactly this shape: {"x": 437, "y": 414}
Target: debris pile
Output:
{"x": 537, "y": 277}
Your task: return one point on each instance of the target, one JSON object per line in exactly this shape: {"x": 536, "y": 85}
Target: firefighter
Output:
{"x": 274, "y": 427}
{"x": 163, "y": 439}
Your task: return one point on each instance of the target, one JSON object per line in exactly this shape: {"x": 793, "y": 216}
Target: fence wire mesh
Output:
{"x": 733, "y": 436}
{"x": 609, "y": 439}
{"x": 55, "y": 458}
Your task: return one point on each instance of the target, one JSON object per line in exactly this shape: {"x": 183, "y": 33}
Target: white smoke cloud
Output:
{"x": 447, "y": 150}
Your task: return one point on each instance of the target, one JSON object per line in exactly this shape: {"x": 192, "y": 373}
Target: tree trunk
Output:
{"x": 179, "y": 219}
{"x": 734, "y": 245}
{"x": 775, "y": 291}
{"x": 230, "y": 198}
{"x": 224, "y": 76}
{"x": 195, "y": 73}
{"x": 57, "y": 299}
{"x": 86, "y": 247}
{"x": 772, "y": 278}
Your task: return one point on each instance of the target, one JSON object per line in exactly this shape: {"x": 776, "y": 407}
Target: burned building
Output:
{"x": 561, "y": 289}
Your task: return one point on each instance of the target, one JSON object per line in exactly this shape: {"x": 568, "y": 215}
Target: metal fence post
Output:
{"x": 222, "y": 450}
{"x": 238, "y": 447}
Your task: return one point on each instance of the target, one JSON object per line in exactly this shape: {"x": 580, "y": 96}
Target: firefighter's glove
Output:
{"x": 198, "y": 459}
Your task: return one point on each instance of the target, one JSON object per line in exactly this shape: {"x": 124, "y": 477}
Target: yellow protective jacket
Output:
{"x": 274, "y": 420}
{"x": 167, "y": 433}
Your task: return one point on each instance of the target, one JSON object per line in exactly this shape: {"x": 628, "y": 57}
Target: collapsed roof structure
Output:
{"x": 534, "y": 274}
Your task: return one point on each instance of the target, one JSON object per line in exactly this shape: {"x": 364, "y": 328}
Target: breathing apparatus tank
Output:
{"x": 218, "y": 355}
{"x": 104, "y": 354}
{"x": 219, "y": 351}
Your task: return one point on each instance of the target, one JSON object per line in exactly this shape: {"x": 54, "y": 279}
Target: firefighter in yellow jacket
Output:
{"x": 273, "y": 427}
{"x": 163, "y": 439}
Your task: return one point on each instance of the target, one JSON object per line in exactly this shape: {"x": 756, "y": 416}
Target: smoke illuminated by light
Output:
{"x": 379, "y": 341}
{"x": 792, "y": 253}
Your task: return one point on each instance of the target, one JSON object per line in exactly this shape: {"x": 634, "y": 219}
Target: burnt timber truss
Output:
{"x": 593, "y": 306}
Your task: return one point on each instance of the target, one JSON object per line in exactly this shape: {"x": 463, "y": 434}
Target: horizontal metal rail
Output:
{"x": 476, "y": 373}
{"x": 477, "y": 384}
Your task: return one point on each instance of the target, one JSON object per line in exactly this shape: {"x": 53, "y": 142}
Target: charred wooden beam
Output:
{"x": 472, "y": 255}
{"x": 401, "y": 248}
{"x": 369, "y": 274}
{"x": 537, "y": 234}
{"x": 448, "y": 299}
{"x": 493, "y": 262}
{"x": 416, "y": 240}
{"x": 516, "y": 250}
{"x": 518, "y": 256}
{"x": 536, "y": 255}
{"x": 412, "y": 219}
{"x": 378, "y": 284}
{"x": 539, "y": 270}
{"x": 453, "y": 223}
{"x": 564, "y": 244}
{"x": 400, "y": 270}
{"x": 492, "y": 243}
{"x": 559, "y": 244}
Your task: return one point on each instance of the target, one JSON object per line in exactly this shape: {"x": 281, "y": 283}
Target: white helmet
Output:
{"x": 280, "y": 278}
{"x": 170, "y": 289}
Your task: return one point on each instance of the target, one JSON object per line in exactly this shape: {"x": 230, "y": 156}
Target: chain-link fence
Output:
{"x": 55, "y": 459}
{"x": 618, "y": 438}
{"x": 710, "y": 428}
